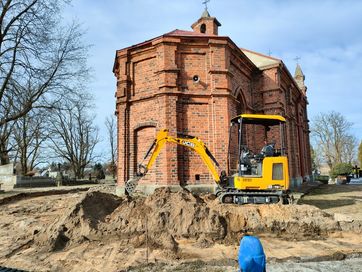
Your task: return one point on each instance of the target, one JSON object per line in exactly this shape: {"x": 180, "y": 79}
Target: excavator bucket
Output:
{"x": 131, "y": 184}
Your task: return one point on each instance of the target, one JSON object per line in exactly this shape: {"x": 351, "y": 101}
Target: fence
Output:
{"x": 31, "y": 182}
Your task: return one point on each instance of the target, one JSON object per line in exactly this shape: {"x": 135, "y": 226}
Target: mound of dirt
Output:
{"x": 166, "y": 216}
{"x": 161, "y": 219}
{"x": 298, "y": 222}
{"x": 79, "y": 223}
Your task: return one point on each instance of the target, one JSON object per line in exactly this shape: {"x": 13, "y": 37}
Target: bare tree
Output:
{"x": 333, "y": 141}
{"x": 112, "y": 140}
{"x": 73, "y": 135}
{"x": 315, "y": 160}
{"x": 5, "y": 148}
{"x": 30, "y": 134}
{"x": 39, "y": 58}
{"x": 349, "y": 150}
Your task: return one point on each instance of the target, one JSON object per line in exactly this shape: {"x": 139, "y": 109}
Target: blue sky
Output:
{"x": 325, "y": 34}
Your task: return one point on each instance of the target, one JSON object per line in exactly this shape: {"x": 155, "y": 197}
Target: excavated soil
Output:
{"x": 165, "y": 217}
{"x": 62, "y": 232}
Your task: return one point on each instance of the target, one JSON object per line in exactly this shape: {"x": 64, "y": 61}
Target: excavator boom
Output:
{"x": 188, "y": 141}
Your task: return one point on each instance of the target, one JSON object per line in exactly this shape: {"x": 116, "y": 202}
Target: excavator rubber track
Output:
{"x": 253, "y": 197}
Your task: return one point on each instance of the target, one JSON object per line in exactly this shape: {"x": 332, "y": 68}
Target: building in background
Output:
{"x": 194, "y": 82}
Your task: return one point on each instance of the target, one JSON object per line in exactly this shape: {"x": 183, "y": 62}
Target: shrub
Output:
{"x": 322, "y": 178}
{"x": 341, "y": 169}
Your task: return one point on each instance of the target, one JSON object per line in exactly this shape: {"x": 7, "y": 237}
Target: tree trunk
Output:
{"x": 4, "y": 156}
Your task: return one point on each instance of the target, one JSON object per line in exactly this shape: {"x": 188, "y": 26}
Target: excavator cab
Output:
{"x": 257, "y": 161}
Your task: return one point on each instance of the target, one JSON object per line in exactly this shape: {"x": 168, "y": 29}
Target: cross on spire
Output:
{"x": 205, "y": 3}
{"x": 297, "y": 59}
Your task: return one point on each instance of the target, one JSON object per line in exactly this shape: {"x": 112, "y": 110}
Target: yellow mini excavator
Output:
{"x": 253, "y": 176}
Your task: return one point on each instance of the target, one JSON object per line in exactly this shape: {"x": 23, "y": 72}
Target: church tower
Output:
{"x": 206, "y": 24}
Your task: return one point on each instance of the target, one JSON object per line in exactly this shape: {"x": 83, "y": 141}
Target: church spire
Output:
{"x": 298, "y": 72}
{"x": 206, "y": 24}
{"x": 206, "y": 13}
{"x": 300, "y": 78}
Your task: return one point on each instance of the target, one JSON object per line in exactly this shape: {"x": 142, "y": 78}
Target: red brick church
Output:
{"x": 194, "y": 82}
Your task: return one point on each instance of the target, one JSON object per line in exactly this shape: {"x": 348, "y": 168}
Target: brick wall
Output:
{"x": 193, "y": 119}
{"x": 195, "y": 85}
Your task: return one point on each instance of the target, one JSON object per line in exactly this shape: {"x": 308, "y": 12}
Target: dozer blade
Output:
{"x": 131, "y": 184}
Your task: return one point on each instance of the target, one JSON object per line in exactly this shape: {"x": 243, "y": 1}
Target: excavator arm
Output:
{"x": 191, "y": 142}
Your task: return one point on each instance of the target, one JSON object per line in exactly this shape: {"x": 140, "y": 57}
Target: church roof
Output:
{"x": 261, "y": 60}
{"x": 178, "y": 32}
{"x": 264, "y": 62}
{"x": 205, "y": 14}
{"x": 298, "y": 71}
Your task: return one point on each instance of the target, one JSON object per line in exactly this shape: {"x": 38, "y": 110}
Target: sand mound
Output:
{"x": 165, "y": 216}
{"x": 286, "y": 221}
{"x": 80, "y": 222}
{"x": 161, "y": 219}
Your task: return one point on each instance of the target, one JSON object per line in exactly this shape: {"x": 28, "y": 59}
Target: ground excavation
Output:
{"x": 95, "y": 230}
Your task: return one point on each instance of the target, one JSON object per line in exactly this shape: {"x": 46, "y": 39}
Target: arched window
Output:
{"x": 144, "y": 134}
{"x": 203, "y": 28}
{"x": 240, "y": 108}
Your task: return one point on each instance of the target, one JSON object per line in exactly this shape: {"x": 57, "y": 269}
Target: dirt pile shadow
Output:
{"x": 160, "y": 220}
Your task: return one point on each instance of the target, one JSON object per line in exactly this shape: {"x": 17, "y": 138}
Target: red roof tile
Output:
{"x": 178, "y": 32}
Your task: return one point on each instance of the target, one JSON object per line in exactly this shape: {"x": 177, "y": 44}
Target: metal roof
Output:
{"x": 260, "y": 60}
{"x": 205, "y": 14}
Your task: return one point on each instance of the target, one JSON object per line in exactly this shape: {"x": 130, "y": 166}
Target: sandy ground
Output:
{"x": 96, "y": 231}
{"x": 340, "y": 200}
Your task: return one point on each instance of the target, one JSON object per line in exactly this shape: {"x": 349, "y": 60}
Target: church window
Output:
{"x": 203, "y": 28}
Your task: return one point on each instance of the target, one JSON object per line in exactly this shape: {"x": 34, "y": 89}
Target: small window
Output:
{"x": 197, "y": 177}
{"x": 203, "y": 28}
{"x": 277, "y": 171}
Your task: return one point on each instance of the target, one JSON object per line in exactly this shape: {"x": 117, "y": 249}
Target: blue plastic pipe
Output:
{"x": 251, "y": 255}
